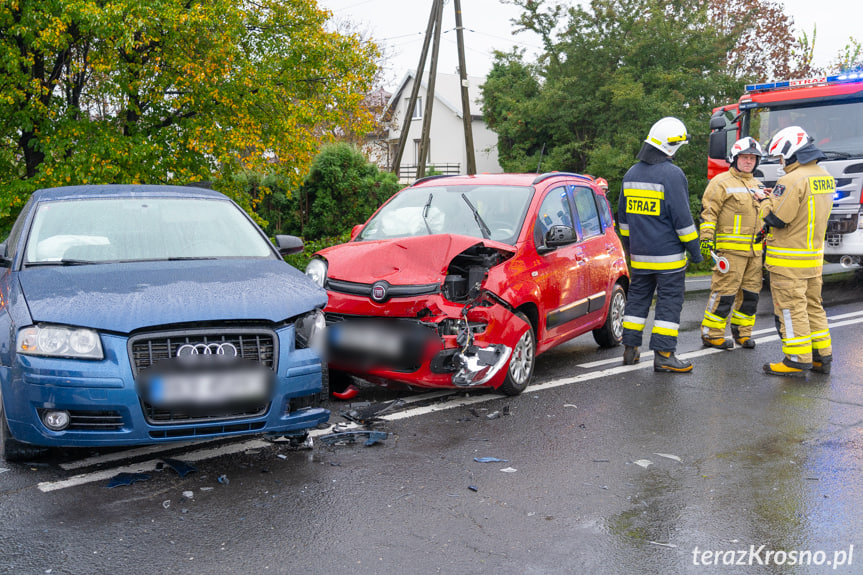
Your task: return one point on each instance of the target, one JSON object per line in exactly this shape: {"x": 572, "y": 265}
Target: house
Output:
{"x": 447, "y": 151}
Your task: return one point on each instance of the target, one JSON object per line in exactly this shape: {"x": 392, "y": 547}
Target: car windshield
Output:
{"x": 128, "y": 229}
{"x": 493, "y": 212}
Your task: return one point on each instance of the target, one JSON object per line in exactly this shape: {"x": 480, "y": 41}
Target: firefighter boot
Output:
{"x": 631, "y": 355}
{"x": 742, "y": 340}
{"x": 821, "y": 364}
{"x": 782, "y": 368}
{"x": 667, "y": 362}
{"x": 717, "y": 342}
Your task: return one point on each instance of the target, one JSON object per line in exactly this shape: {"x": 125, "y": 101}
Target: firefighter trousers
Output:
{"x": 734, "y": 294}
{"x": 669, "y": 288}
{"x": 800, "y": 319}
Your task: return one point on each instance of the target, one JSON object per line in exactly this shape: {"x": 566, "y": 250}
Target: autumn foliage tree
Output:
{"x": 171, "y": 91}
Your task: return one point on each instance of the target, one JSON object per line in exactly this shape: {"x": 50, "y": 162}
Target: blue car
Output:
{"x": 137, "y": 315}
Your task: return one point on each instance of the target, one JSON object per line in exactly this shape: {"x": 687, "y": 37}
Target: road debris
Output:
{"x": 509, "y": 470}
{"x": 127, "y": 479}
{"x": 181, "y": 467}
{"x": 370, "y": 413}
{"x": 645, "y": 463}
{"x": 490, "y": 460}
{"x": 669, "y": 456}
{"x": 349, "y": 437}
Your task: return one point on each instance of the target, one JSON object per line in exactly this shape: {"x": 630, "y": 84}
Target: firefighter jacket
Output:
{"x": 655, "y": 222}
{"x": 797, "y": 214}
{"x": 730, "y": 213}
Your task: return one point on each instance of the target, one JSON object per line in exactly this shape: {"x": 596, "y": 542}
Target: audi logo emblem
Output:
{"x": 379, "y": 291}
{"x": 224, "y": 349}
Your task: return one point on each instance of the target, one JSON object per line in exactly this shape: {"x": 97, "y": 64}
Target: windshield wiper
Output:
{"x": 426, "y": 213}
{"x": 63, "y": 262}
{"x": 486, "y": 233}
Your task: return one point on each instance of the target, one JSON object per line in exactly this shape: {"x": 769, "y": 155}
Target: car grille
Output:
{"x": 145, "y": 350}
{"x": 393, "y": 291}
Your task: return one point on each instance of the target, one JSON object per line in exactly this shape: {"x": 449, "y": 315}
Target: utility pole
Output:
{"x": 427, "y": 115}
{"x": 465, "y": 98}
{"x": 406, "y": 123}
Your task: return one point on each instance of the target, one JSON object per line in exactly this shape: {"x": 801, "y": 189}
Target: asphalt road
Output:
{"x": 608, "y": 469}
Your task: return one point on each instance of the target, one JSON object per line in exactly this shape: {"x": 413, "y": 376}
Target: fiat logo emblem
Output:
{"x": 379, "y": 291}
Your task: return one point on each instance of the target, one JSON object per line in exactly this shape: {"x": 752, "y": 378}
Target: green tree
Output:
{"x": 171, "y": 91}
{"x": 341, "y": 190}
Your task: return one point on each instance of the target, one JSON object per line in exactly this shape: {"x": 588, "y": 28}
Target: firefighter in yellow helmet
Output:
{"x": 730, "y": 221}
{"x": 796, "y": 217}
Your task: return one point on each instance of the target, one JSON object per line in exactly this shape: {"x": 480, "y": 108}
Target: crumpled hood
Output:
{"x": 401, "y": 261}
{"x": 128, "y": 296}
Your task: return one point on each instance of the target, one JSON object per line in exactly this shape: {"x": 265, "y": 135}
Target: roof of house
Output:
{"x": 447, "y": 91}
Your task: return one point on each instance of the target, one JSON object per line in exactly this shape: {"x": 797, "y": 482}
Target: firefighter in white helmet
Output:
{"x": 658, "y": 231}
{"x": 796, "y": 216}
{"x": 730, "y": 222}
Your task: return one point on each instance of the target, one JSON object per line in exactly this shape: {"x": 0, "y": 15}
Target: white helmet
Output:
{"x": 788, "y": 142}
{"x": 747, "y": 145}
{"x": 667, "y": 135}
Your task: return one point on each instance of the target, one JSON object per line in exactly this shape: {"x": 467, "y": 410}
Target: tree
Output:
{"x": 171, "y": 91}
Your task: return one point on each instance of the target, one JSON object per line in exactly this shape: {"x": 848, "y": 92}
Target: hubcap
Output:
{"x": 522, "y": 359}
{"x": 618, "y": 308}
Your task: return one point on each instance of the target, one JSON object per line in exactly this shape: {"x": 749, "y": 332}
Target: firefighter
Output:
{"x": 730, "y": 221}
{"x": 657, "y": 230}
{"x": 795, "y": 218}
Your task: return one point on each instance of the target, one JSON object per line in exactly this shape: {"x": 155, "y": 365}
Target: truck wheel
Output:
{"x": 611, "y": 333}
{"x": 519, "y": 372}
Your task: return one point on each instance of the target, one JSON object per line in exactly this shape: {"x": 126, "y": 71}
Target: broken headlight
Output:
{"x": 454, "y": 326}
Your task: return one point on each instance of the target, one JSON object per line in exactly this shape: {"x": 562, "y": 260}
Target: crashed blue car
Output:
{"x": 137, "y": 315}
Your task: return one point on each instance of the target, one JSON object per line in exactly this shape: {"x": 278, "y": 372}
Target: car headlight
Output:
{"x": 59, "y": 341}
{"x": 310, "y": 331}
{"x": 317, "y": 270}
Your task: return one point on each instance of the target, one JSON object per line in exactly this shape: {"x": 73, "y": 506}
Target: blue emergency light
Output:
{"x": 845, "y": 78}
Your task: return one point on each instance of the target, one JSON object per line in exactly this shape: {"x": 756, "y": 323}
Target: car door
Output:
{"x": 597, "y": 251}
{"x": 561, "y": 274}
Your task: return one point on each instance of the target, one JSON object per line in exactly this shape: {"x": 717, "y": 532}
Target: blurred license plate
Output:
{"x": 368, "y": 338}
{"x": 209, "y": 388}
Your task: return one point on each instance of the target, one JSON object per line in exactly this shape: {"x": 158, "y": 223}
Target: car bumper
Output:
{"x": 106, "y": 410}
{"x": 445, "y": 361}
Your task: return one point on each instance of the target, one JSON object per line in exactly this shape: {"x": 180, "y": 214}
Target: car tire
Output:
{"x": 519, "y": 370}
{"x": 611, "y": 332}
{"x": 11, "y": 449}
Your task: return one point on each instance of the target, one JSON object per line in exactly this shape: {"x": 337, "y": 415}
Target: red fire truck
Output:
{"x": 830, "y": 109}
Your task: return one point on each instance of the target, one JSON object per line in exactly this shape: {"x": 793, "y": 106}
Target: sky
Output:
{"x": 399, "y": 26}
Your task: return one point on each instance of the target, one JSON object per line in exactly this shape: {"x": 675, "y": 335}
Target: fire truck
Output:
{"x": 830, "y": 109}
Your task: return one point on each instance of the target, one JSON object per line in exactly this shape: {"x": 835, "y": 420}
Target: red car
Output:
{"x": 461, "y": 281}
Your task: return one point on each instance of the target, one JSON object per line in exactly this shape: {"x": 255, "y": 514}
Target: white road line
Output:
{"x": 459, "y": 401}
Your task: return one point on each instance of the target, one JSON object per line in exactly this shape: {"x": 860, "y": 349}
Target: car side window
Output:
{"x": 588, "y": 215}
{"x": 604, "y": 207}
{"x": 554, "y": 211}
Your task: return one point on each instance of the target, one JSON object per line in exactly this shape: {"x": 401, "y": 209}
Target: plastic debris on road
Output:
{"x": 181, "y": 467}
{"x": 509, "y": 470}
{"x": 223, "y": 479}
{"x": 369, "y": 414}
{"x": 645, "y": 463}
{"x": 348, "y": 437}
{"x": 127, "y": 479}
{"x": 489, "y": 460}
{"x": 669, "y": 456}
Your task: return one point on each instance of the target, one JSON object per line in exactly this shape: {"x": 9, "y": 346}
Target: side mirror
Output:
{"x": 355, "y": 231}
{"x": 289, "y": 245}
{"x": 717, "y": 121}
{"x": 717, "y": 147}
{"x": 557, "y": 236}
{"x": 5, "y": 260}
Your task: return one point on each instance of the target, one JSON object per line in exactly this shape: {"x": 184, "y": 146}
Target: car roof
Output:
{"x": 497, "y": 179}
{"x": 92, "y": 191}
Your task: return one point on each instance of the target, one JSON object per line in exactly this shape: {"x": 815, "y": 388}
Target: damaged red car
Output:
{"x": 461, "y": 281}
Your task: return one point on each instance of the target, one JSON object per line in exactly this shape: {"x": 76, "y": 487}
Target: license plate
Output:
{"x": 208, "y": 389}
{"x": 364, "y": 338}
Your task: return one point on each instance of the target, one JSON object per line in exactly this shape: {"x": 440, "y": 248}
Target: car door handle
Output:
{"x": 579, "y": 257}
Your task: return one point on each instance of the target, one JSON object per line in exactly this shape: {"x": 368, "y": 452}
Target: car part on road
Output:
{"x": 348, "y": 437}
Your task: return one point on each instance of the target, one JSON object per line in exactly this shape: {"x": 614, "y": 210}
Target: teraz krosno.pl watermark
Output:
{"x": 761, "y": 555}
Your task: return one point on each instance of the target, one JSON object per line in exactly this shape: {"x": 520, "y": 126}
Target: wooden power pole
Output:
{"x": 433, "y": 30}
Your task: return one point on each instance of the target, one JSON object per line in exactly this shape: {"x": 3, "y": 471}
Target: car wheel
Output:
{"x": 611, "y": 333}
{"x": 519, "y": 372}
{"x": 10, "y": 448}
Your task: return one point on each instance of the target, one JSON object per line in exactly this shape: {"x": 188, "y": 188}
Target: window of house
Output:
{"x": 418, "y": 109}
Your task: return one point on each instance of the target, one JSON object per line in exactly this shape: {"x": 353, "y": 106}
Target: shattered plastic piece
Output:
{"x": 349, "y": 437}
{"x": 489, "y": 460}
{"x": 669, "y": 456}
{"x": 645, "y": 463}
{"x": 505, "y": 410}
{"x": 189, "y": 494}
{"x": 570, "y": 405}
{"x": 350, "y": 392}
{"x": 223, "y": 479}
{"x": 282, "y": 456}
{"x": 166, "y": 503}
{"x": 181, "y": 467}
{"x": 370, "y": 413}
{"x": 127, "y": 479}
{"x": 493, "y": 415}
{"x": 509, "y": 470}
{"x": 206, "y": 488}
{"x": 473, "y": 487}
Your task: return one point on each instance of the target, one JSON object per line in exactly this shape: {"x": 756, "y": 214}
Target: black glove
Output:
{"x": 706, "y": 247}
{"x": 759, "y": 237}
